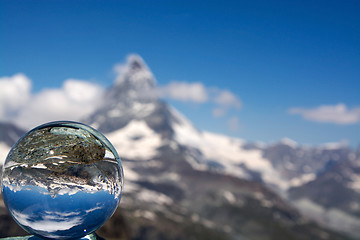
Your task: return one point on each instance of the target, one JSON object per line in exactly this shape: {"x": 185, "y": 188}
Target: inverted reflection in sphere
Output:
{"x": 62, "y": 180}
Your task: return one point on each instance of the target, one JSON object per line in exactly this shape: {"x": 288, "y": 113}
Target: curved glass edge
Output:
{"x": 95, "y": 133}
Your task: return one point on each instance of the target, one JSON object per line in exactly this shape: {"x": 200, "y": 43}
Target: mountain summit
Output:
{"x": 169, "y": 160}
{"x": 133, "y": 81}
{"x": 133, "y": 97}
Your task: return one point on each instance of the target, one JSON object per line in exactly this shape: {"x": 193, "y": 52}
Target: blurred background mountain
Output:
{"x": 249, "y": 131}
{"x": 183, "y": 183}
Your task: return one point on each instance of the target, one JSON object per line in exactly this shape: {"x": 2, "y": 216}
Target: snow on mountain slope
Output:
{"x": 354, "y": 184}
{"x": 303, "y": 179}
{"x": 289, "y": 142}
{"x": 227, "y": 152}
{"x": 135, "y": 141}
{"x": 138, "y": 124}
{"x": 331, "y": 217}
{"x": 230, "y": 153}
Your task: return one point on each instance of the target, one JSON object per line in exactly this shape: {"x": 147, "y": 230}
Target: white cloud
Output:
{"x": 14, "y": 94}
{"x": 218, "y": 112}
{"x": 198, "y": 93}
{"x": 183, "y": 91}
{"x": 81, "y": 92}
{"x": 76, "y": 98}
{"x": 73, "y": 101}
{"x": 337, "y": 114}
{"x": 233, "y": 123}
{"x": 227, "y": 99}
{"x": 48, "y": 223}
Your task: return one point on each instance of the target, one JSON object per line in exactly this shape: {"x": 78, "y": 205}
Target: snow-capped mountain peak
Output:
{"x": 135, "y": 74}
{"x": 131, "y": 97}
{"x": 289, "y": 142}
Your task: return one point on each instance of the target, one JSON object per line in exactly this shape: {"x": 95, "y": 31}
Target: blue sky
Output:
{"x": 293, "y": 65}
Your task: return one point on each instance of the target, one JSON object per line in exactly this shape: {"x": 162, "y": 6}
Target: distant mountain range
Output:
{"x": 181, "y": 182}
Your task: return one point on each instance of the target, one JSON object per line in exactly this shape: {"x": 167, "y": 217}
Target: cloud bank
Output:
{"x": 336, "y": 114}
{"x": 14, "y": 94}
{"x": 198, "y": 93}
{"x": 183, "y": 91}
{"x": 74, "y": 100}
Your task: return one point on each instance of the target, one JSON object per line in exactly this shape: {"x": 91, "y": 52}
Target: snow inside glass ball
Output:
{"x": 62, "y": 180}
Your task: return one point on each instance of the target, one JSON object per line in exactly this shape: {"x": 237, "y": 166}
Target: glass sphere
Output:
{"x": 62, "y": 180}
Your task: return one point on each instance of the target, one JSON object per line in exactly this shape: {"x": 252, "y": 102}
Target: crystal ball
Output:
{"x": 62, "y": 180}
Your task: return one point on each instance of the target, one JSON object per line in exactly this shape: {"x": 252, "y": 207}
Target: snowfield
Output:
{"x": 135, "y": 141}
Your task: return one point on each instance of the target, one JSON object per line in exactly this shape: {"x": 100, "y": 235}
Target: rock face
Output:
{"x": 9, "y": 133}
{"x": 182, "y": 183}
